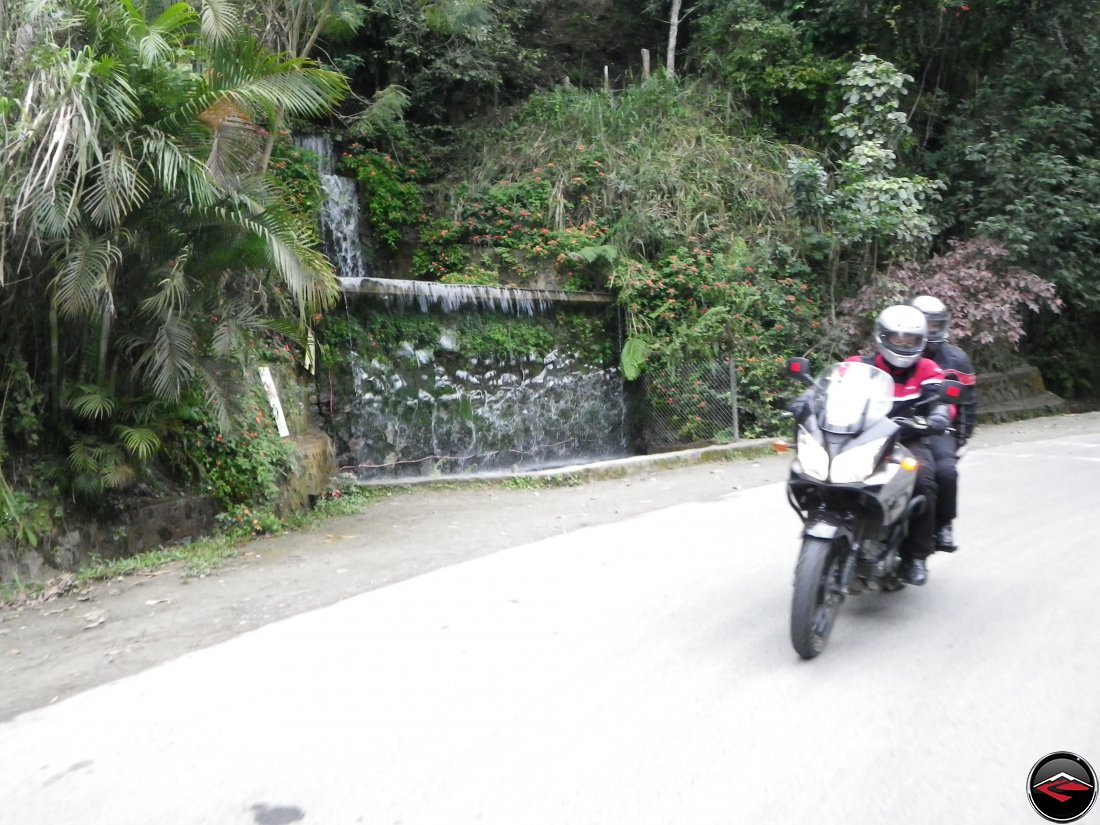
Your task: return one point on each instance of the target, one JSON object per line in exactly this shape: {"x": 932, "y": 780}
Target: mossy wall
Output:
{"x": 455, "y": 393}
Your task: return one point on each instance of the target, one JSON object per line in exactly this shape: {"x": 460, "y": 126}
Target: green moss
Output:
{"x": 380, "y": 335}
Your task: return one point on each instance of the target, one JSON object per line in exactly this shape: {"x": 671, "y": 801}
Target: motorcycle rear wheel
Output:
{"x": 816, "y": 599}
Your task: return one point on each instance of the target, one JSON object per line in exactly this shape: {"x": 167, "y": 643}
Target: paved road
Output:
{"x": 632, "y": 672}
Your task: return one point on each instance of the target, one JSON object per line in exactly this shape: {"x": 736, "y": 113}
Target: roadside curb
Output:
{"x": 609, "y": 469}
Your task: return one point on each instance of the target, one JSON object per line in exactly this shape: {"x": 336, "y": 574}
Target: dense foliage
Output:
{"x": 808, "y": 160}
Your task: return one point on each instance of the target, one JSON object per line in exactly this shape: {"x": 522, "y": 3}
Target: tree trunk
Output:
{"x": 673, "y": 30}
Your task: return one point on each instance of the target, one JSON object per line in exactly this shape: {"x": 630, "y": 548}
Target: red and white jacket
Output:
{"x": 910, "y": 383}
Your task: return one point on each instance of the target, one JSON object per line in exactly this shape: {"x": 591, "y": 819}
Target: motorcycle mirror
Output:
{"x": 952, "y": 391}
{"x": 799, "y": 368}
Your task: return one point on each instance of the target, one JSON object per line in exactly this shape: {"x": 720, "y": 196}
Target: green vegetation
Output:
{"x": 391, "y": 196}
{"x": 375, "y": 334}
{"x": 805, "y": 163}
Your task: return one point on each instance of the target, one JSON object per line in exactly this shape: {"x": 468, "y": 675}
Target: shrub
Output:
{"x": 987, "y": 297}
{"x": 241, "y": 465}
{"x": 388, "y": 191}
{"x": 699, "y": 303}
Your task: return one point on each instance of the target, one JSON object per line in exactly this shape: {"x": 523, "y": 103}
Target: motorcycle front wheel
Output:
{"x": 817, "y": 595}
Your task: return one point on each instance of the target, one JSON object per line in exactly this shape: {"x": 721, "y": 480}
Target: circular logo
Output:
{"x": 1062, "y": 787}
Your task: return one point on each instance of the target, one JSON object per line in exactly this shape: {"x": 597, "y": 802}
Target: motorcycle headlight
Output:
{"x": 812, "y": 456}
{"x": 857, "y": 463}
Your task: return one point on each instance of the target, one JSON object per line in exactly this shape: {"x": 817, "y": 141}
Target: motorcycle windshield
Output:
{"x": 850, "y": 396}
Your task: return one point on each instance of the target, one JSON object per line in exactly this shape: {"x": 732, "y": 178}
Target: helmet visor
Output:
{"x": 903, "y": 341}
{"x": 936, "y": 328}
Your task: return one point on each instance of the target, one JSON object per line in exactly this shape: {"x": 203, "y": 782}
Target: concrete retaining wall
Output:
{"x": 1015, "y": 394}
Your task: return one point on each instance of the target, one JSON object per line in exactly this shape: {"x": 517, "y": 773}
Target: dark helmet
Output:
{"x": 937, "y": 316}
{"x": 900, "y": 335}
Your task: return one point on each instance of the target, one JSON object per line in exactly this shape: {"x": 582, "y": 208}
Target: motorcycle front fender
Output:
{"x": 820, "y": 530}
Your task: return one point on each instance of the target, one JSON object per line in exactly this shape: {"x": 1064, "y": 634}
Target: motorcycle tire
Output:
{"x": 816, "y": 601}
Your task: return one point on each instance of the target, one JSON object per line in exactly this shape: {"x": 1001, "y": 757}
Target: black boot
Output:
{"x": 916, "y": 572}
{"x": 945, "y": 539}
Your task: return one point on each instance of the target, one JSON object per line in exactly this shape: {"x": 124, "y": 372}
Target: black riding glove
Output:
{"x": 801, "y": 407}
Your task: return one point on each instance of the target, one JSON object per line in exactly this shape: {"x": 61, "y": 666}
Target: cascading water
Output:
{"x": 340, "y": 214}
{"x": 423, "y": 412}
{"x": 424, "y": 415}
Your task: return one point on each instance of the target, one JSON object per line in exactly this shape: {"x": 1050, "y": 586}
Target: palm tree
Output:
{"x": 139, "y": 238}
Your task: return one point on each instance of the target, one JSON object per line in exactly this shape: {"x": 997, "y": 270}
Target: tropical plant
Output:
{"x": 865, "y": 214}
{"x": 141, "y": 240}
{"x": 765, "y": 57}
{"x": 701, "y": 304}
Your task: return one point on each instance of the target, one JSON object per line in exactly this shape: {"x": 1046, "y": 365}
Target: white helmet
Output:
{"x": 937, "y": 316}
{"x": 900, "y": 335}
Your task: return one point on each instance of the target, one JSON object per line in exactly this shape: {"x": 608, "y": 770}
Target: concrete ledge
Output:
{"x": 611, "y": 468}
{"x": 1045, "y": 404}
{"x": 1015, "y": 394}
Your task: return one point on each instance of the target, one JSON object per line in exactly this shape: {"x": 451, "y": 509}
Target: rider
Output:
{"x": 899, "y": 338}
{"x": 945, "y": 447}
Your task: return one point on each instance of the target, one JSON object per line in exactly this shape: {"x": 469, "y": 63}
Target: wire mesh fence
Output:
{"x": 692, "y": 402}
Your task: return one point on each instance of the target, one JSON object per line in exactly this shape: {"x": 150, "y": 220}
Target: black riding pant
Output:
{"x": 947, "y": 477}
{"x": 922, "y": 527}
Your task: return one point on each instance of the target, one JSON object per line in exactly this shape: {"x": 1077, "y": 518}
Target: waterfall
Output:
{"x": 418, "y": 412}
{"x": 340, "y": 213}
{"x": 340, "y": 222}
{"x": 425, "y": 415}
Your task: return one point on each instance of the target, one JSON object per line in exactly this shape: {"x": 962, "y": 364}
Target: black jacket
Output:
{"x": 956, "y": 365}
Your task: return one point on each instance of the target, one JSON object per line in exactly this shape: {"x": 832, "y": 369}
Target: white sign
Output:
{"x": 276, "y": 404}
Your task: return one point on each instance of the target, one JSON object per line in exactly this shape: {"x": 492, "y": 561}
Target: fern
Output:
{"x": 633, "y": 358}
{"x": 591, "y": 254}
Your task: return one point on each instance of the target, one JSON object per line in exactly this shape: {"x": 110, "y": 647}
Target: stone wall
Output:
{"x": 1015, "y": 394}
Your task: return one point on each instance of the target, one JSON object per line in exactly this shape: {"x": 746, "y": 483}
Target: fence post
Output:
{"x": 645, "y": 65}
{"x": 733, "y": 398}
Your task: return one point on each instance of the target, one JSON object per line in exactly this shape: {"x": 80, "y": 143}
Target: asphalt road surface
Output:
{"x": 635, "y": 671}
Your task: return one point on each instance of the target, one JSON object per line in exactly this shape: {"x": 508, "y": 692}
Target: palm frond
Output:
{"x": 117, "y": 475}
{"x": 159, "y": 41}
{"x": 239, "y": 324}
{"x": 384, "y": 114}
{"x": 117, "y": 188}
{"x": 172, "y": 292}
{"x": 220, "y": 20}
{"x": 92, "y": 402}
{"x": 298, "y": 87}
{"x": 141, "y": 442}
{"x": 217, "y": 404}
{"x": 85, "y": 272}
{"x": 171, "y": 165}
{"x": 291, "y": 249}
{"x": 169, "y": 361}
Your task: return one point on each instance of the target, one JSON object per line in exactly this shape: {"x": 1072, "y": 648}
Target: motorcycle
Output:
{"x": 852, "y": 483}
